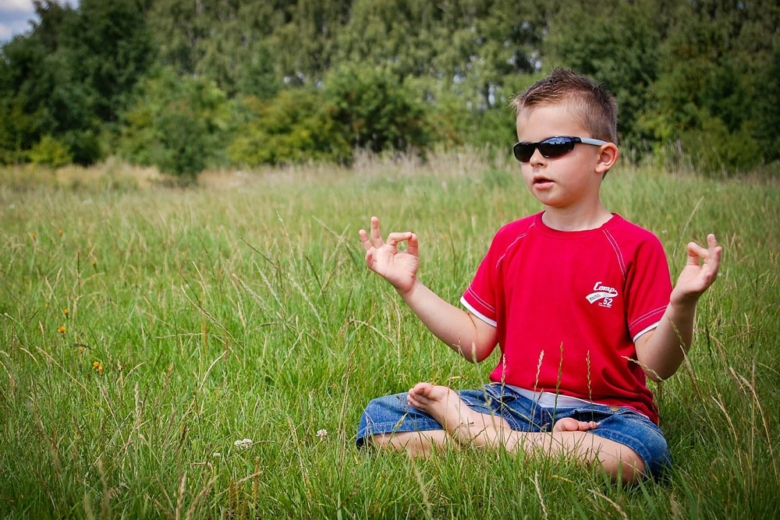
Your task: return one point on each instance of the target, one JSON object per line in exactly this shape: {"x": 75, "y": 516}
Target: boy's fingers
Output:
{"x": 715, "y": 251}
{"x": 370, "y": 258}
{"x": 394, "y": 238}
{"x": 376, "y": 237}
{"x": 695, "y": 251}
{"x": 413, "y": 245}
{"x": 364, "y": 239}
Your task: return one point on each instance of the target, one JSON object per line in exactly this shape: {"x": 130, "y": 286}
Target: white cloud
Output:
{"x": 10, "y": 29}
{"x": 17, "y": 6}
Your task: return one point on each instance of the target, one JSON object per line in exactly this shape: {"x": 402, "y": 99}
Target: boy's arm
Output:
{"x": 661, "y": 351}
{"x": 463, "y": 332}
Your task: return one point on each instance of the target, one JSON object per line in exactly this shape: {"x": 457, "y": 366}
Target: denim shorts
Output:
{"x": 392, "y": 414}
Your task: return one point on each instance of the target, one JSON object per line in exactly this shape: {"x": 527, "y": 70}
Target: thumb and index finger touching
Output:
{"x": 711, "y": 255}
{"x": 374, "y": 239}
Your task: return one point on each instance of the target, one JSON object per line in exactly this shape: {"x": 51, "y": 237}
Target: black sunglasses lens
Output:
{"x": 555, "y": 147}
{"x": 524, "y": 151}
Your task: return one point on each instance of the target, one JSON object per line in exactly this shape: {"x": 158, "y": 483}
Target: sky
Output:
{"x": 16, "y": 15}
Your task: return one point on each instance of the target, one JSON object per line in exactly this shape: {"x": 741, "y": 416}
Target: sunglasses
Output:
{"x": 551, "y": 147}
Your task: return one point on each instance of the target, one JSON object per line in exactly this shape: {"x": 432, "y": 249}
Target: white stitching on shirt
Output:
{"x": 645, "y": 315}
{"x": 513, "y": 243}
{"x": 619, "y": 255}
{"x": 479, "y": 299}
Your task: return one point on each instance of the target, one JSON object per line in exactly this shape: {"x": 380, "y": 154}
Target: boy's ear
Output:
{"x": 608, "y": 156}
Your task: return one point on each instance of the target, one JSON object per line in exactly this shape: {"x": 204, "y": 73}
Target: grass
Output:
{"x": 241, "y": 308}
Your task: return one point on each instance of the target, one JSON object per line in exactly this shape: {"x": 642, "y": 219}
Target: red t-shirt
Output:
{"x": 568, "y": 307}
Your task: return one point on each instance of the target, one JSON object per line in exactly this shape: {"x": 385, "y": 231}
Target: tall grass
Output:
{"x": 242, "y": 309}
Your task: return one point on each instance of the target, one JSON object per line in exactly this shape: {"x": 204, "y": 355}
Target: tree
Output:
{"x": 177, "y": 124}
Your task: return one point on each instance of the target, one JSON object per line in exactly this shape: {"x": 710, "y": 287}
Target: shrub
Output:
{"x": 292, "y": 127}
{"x": 713, "y": 149}
{"x": 50, "y": 151}
{"x": 176, "y": 124}
{"x": 374, "y": 111}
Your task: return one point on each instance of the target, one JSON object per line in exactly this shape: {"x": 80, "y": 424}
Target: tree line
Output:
{"x": 192, "y": 84}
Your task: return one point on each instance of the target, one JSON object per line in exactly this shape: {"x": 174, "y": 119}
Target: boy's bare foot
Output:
{"x": 568, "y": 424}
{"x": 440, "y": 402}
{"x": 465, "y": 424}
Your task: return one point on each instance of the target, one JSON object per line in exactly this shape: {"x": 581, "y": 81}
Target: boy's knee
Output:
{"x": 628, "y": 467}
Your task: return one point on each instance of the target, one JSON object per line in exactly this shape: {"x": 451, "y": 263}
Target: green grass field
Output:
{"x": 242, "y": 308}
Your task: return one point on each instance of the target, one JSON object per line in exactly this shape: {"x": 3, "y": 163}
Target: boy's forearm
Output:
{"x": 665, "y": 350}
{"x": 450, "y": 324}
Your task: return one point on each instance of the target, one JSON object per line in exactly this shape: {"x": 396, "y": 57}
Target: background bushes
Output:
{"x": 186, "y": 85}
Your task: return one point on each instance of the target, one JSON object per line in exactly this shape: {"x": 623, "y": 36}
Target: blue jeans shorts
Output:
{"x": 392, "y": 414}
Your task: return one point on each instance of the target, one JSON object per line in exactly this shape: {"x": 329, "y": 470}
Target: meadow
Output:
{"x": 146, "y": 327}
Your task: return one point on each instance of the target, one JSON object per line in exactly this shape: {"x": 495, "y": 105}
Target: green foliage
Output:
{"x": 374, "y": 111}
{"x": 714, "y": 85}
{"x": 616, "y": 43}
{"x": 715, "y": 149}
{"x": 51, "y": 152}
{"x": 176, "y": 124}
{"x": 396, "y": 73}
{"x": 292, "y": 127}
{"x": 67, "y": 78}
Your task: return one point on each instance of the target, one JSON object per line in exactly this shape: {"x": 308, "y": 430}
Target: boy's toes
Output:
{"x": 421, "y": 389}
{"x": 566, "y": 425}
{"x": 571, "y": 425}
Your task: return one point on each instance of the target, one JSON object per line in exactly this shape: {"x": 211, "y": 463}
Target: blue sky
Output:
{"x": 15, "y": 16}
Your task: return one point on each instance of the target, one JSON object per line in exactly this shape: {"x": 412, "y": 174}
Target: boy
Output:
{"x": 579, "y": 300}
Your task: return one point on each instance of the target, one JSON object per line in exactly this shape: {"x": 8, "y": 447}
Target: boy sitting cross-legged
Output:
{"x": 578, "y": 299}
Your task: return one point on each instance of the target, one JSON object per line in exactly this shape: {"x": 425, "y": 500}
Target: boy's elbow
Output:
{"x": 481, "y": 354}
{"x": 658, "y": 376}
{"x": 475, "y": 354}
{"x": 652, "y": 376}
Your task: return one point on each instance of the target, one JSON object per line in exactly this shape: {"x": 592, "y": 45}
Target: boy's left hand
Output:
{"x": 696, "y": 277}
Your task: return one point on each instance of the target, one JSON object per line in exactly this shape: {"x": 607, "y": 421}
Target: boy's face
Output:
{"x": 572, "y": 180}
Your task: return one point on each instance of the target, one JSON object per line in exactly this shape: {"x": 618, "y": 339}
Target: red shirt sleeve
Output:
{"x": 480, "y": 297}
{"x": 648, "y": 287}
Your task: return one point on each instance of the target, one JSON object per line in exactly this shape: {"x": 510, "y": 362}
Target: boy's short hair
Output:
{"x": 596, "y": 105}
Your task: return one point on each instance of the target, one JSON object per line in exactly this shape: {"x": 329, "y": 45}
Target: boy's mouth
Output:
{"x": 541, "y": 181}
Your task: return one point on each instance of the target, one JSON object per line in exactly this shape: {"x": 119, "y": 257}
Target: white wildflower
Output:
{"x": 216, "y": 454}
{"x": 244, "y": 444}
{"x": 322, "y": 433}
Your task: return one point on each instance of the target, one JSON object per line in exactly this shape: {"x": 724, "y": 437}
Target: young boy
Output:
{"x": 579, "y": 300}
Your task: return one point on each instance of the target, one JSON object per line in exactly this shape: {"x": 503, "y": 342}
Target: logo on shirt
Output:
{"x": 602, "y": 292}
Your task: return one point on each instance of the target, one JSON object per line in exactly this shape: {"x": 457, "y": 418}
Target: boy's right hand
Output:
{"x": 397, "y": 267}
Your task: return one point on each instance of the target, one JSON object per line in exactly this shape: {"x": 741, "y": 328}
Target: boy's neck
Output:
{"x": 576, "y": 219}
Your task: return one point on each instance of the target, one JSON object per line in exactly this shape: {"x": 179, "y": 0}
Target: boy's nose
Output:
{"x": 537, "y": 159}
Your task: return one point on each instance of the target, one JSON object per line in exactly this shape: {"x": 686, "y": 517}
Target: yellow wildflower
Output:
{"x": 65, "y": 312}
{"x": 61, "y": 232}
{"x": 61, "y": 330}
{"x": 97, "y": 365}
